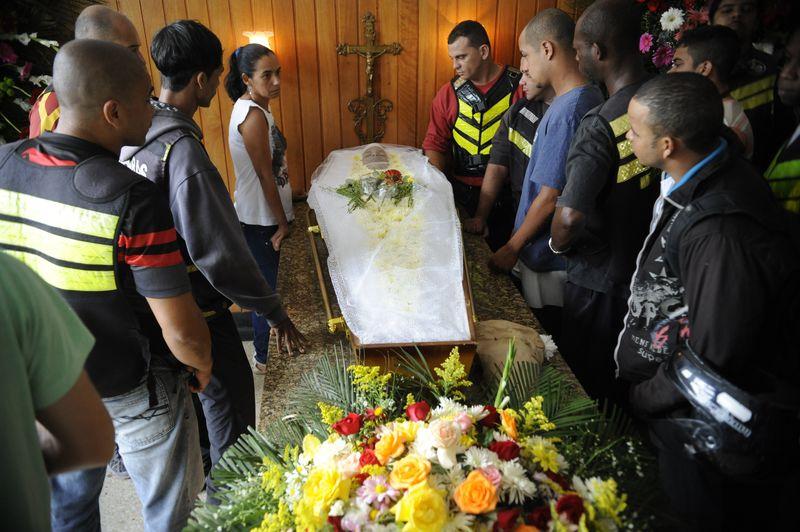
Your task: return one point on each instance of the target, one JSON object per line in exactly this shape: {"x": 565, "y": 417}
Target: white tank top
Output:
{"x": 251, "y": 205}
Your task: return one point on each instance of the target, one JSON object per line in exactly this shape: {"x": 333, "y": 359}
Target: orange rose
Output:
{"x": 408, "y": 471}
{"x": 390, "y": 446}
{"x": 508, "y": 421}
{"x": 476, "y": 495}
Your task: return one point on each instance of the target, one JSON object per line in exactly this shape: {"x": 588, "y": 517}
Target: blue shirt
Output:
{"x": 547, "y": 167}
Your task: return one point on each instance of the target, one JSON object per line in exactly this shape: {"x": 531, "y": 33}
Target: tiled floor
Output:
{"x": 120, "y": 510}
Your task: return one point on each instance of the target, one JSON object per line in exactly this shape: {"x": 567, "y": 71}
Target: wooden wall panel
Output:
{"x": 317, "y": 83}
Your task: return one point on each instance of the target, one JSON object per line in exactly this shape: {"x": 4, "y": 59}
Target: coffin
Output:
{"x": 390, "y": 266}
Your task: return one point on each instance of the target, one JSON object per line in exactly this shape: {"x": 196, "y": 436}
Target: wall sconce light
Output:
{"x": 264, "y": 38}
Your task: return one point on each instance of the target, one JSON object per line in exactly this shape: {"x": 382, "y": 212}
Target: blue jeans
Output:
{"x": 161, "y": 452}
{"x": 267, "y": 258}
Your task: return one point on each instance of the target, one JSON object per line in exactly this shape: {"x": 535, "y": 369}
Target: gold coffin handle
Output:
{"x": 334, "y": 324}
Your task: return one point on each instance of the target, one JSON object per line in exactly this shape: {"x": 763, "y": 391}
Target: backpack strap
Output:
{"x": 715, "y": 204}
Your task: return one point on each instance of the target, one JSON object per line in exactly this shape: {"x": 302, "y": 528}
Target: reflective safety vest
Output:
{"x": 63, "y": 221}
{"x": 756, "y": 93}
{"x": 44, "y": 113}
{"x": 629, "y": 166}
{"x": 783, "y": 176}
{"x": 477, "y": 120}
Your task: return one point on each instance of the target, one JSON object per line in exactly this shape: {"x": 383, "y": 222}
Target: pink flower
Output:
{"x": 493, "y": 474}
{"x": 663, "y": 56}
{"x": 376, "y": 491}
{"x": 7, "y": 54}
{"x": 698, "y": 16}
{"x": 464, "y": 421}
{"x": 26, "y": 71}
{"x": 645, "y": 42}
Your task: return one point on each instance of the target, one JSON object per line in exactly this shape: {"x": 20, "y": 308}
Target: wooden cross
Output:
{"x": 369, "y": 112}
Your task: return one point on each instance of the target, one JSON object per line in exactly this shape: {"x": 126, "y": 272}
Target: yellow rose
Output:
{"x": 408, "y": 429}
{"x": 409, "y": 471}
{"x": 476, "y": 495}
{"x": 310, "y": 445}
{"x": 322, "y": 488}
{"x": 422, "y": 509}
{"x": 390, "y": 446}
{"x": 508, "y": 420}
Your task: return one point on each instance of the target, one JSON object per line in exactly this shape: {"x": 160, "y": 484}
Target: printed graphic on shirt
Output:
{"x": 278, "y": 147}
{"x": 655, "y": 297}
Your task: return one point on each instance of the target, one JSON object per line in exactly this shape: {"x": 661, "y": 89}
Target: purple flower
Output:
{"x": 7, "y": 54}
{"x": 645, "y": 42}
{"x": 377, "y": 491}
{"x": 663, "y": 56}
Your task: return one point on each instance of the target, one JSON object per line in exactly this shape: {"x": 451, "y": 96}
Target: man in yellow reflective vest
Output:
{"x": 95, "y": 22}
{"x": 465, "y": 115}
{"x": 783, "y": 174}
{"x": 605, "y": 208}
{"x": 104, "y": 237}
{"x": 754, "y": 78}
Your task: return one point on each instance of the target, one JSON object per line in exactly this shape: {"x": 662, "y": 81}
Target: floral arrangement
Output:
{"x": 377, "y": 187}
{"x": 393, "y": 462}
{"x": 664, "y": 21}
{"x": 18, "y": 88}
{"x": 30, "y": 31}
{"x": 662, "y": 25}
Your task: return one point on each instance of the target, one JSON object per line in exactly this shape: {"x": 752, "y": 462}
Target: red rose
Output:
{"x": 360, "y": 477}
{"x": 336, "y": 522}
{"x": 570, "y": 505}
{"x": 418, "y": 411}
{"x": 491, "y": 420}
{"x": 506, "y": 450}
{"x": 368, "y": 457}
{"x": 539, "y": 517}
{"x": 558, "y": 479}
{"x": 350, "y": 424}
{"x": 506, "y": 519}
{"x": 392, "y": 173}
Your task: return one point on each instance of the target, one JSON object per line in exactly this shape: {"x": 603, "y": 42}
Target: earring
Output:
{"x": 250, "y": 91}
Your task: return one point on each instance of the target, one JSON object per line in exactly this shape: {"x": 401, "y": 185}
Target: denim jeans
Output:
{"x": 161, "y": 452}
{"x": 267, "y": 258}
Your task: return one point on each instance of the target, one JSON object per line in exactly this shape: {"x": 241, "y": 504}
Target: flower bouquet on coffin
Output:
{"x": 386, "y": 459}
{"x": 377, "y": 187}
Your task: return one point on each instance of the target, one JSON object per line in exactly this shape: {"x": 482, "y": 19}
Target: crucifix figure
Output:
{"x": 367, "y": 109}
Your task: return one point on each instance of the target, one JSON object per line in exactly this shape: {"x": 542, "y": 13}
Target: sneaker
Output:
{"x": 116, "y": 466}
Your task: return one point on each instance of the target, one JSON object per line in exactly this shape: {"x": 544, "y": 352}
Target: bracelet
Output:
{"x": 554, "y": 250}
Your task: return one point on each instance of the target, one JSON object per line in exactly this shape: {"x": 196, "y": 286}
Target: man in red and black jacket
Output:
{"x": 465, "y": 115}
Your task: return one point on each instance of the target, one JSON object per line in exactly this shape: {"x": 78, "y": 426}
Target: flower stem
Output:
{"x": 501, "y": 387}
{"x": 10, "y": 123}
{"x": 22, "y": 91}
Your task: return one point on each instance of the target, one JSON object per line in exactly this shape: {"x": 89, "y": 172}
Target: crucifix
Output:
{"x": 370, "y": 112}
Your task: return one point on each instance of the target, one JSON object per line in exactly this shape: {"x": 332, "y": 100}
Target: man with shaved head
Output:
{"x": 548, "y": 60}
{"x": 603, "y": 213}
{"x": 104, "y": 237}
{"x": 95, "y": 22}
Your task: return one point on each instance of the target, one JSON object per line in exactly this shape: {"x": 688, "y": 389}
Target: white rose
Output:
{"x": 445, "y": 433}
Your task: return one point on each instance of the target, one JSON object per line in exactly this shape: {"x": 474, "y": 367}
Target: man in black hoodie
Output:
{"x": 221, "y": 267}
{"x": 718, "y": 279}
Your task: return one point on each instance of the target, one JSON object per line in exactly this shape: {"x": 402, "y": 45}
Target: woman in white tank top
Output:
{"x": 263, "y": 197}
